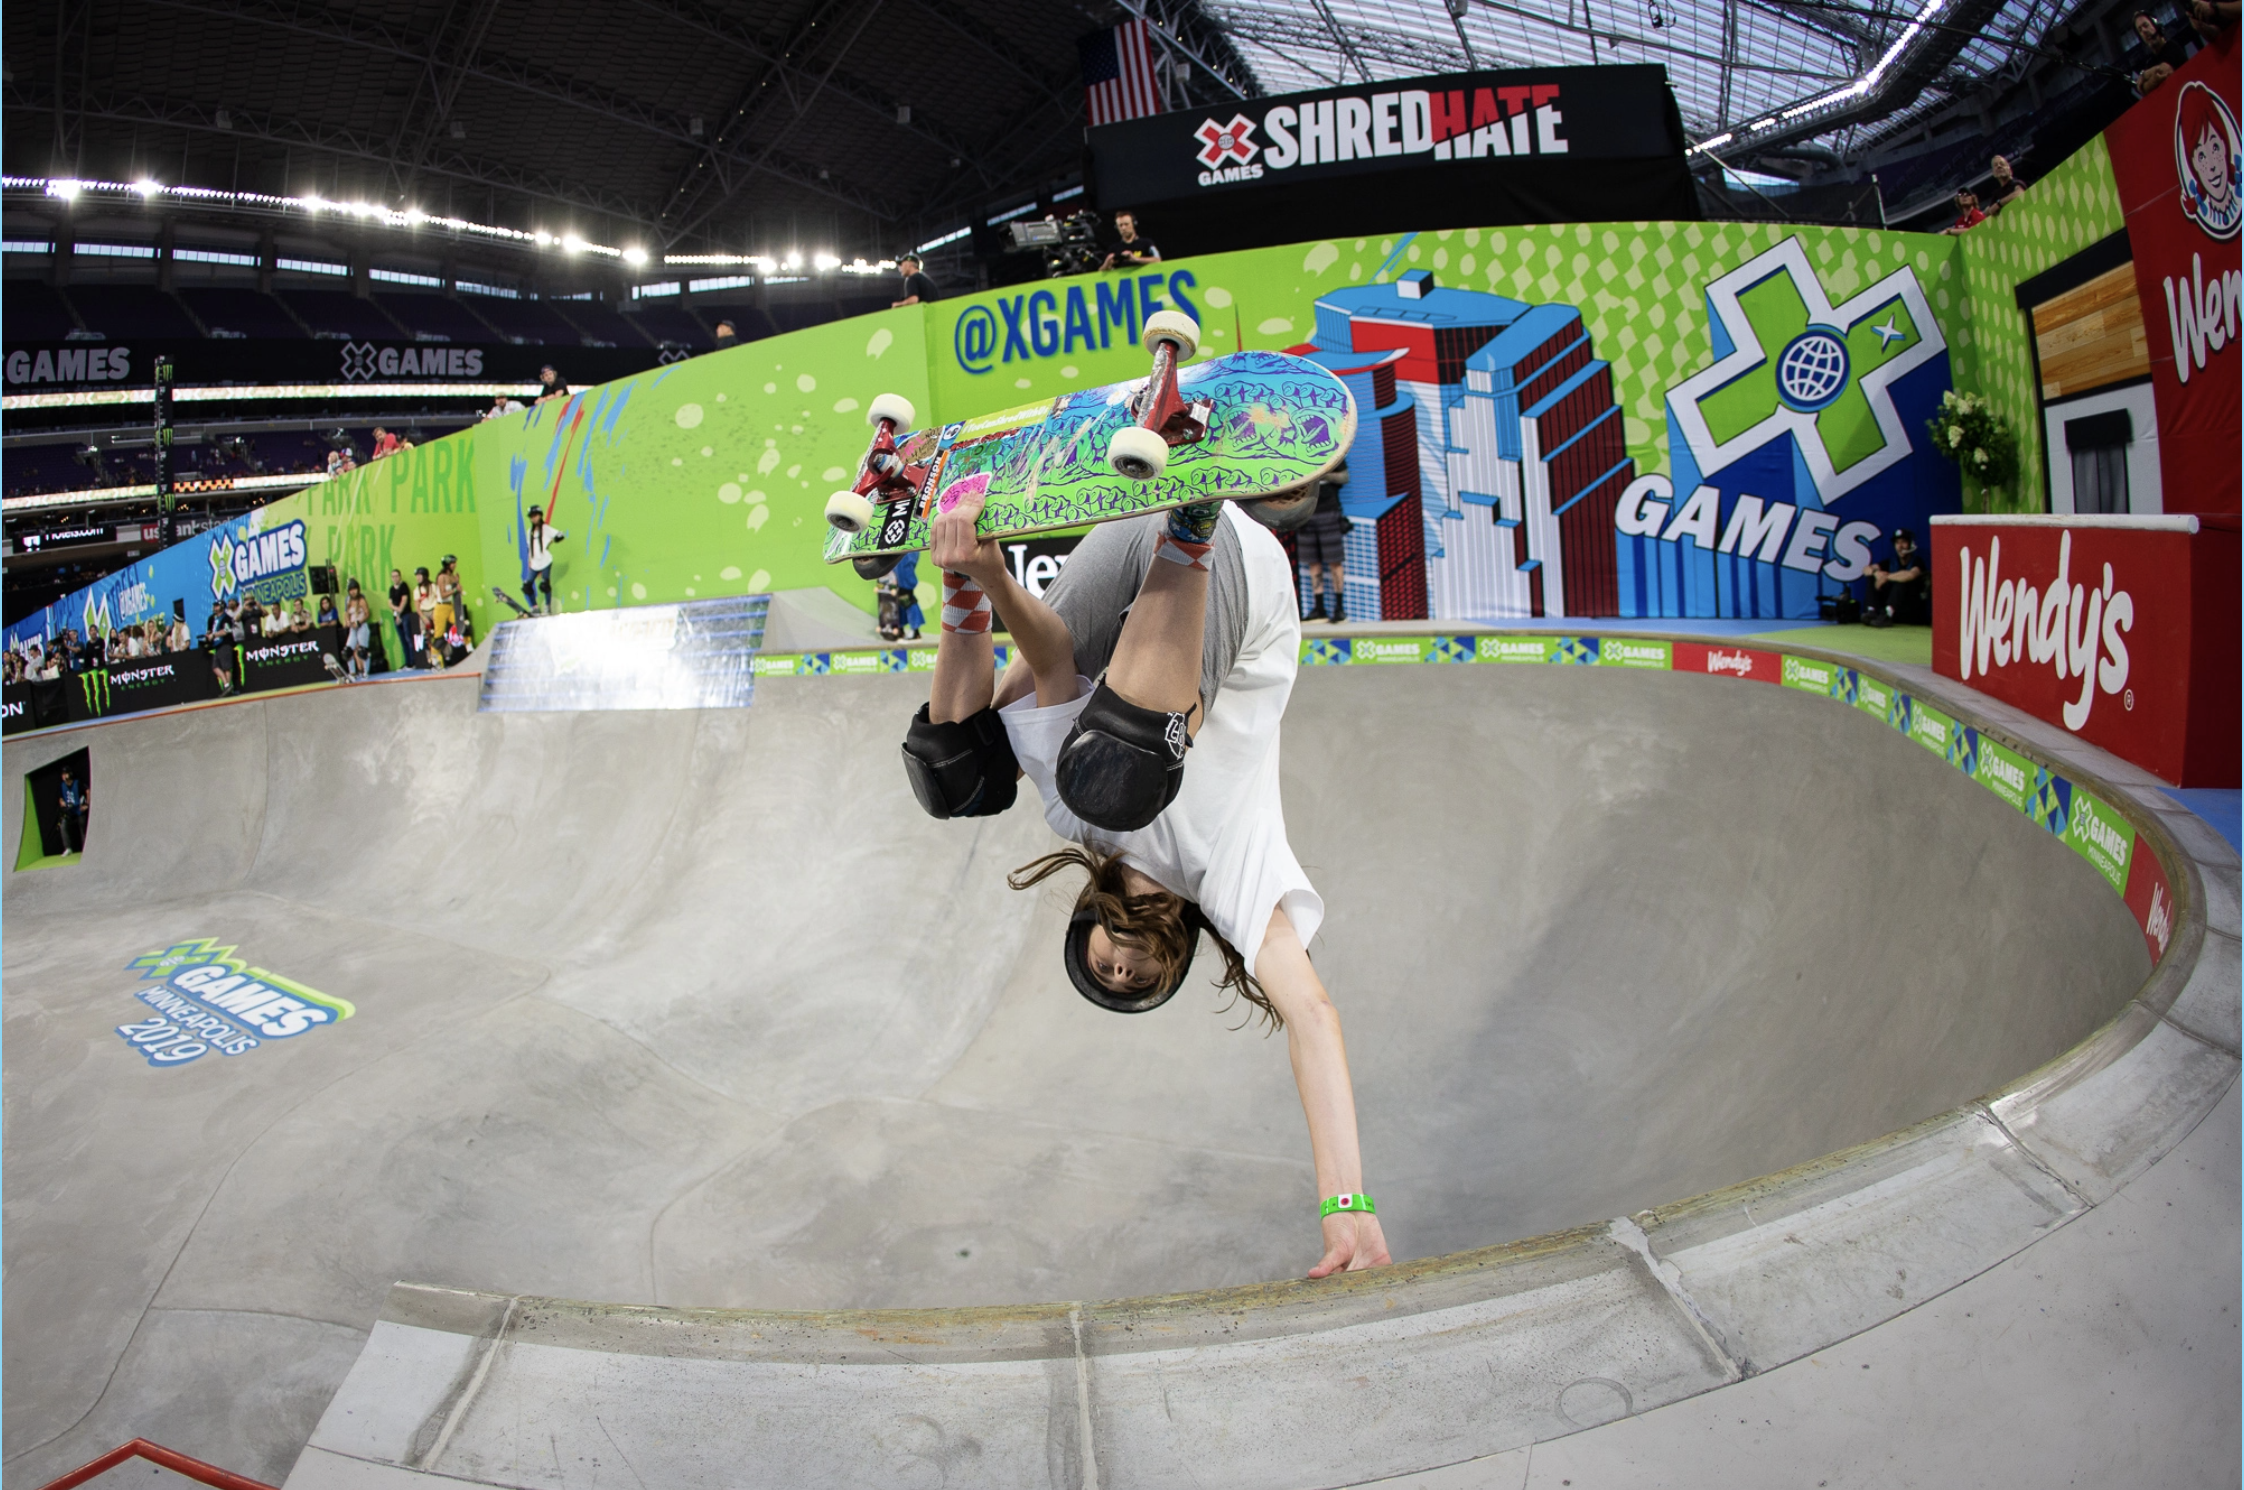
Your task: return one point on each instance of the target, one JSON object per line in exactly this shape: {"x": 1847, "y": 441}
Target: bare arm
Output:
{"x": 957, "y": 547}
{"x": 1320, "y": 1070}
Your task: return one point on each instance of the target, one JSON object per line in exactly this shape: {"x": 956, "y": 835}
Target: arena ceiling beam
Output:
{"x": 366, "y": 34}
{"x": 707, "y": 185}
{"x": 145, "y": 112}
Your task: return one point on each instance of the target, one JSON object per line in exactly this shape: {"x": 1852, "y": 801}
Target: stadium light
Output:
{"x": 794, "y": 261}
{"x": 147, "y": 188}
{"x": 826, "y": 262}
{"x": 635, "y": 256}
{"x": 66, "y": 189}
{"x": 571, "y": 243}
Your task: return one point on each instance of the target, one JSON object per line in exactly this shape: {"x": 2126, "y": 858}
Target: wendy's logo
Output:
{"x": 2206, "y": 159}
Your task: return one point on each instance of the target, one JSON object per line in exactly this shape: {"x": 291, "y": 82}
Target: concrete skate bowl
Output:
{"x": 1694, "y": 1025}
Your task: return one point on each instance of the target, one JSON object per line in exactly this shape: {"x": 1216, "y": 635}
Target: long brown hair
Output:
{"x": 1160, "y": 925}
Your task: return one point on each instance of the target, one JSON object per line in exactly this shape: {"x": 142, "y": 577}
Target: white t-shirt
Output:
{"x": 1222, "y": 843}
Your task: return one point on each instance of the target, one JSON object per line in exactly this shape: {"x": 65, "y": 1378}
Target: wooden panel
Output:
{"x": 2091, "y": 336}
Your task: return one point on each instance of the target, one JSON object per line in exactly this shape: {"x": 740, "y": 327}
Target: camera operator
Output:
{"x": 1130, "y": 251}
{"x": 918, "y": 288}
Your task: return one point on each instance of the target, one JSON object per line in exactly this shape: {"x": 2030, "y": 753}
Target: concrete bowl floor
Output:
{"x": 699, "y": 1009}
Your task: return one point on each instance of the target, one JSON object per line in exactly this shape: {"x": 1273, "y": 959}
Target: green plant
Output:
{"x": 1967, "y": 432}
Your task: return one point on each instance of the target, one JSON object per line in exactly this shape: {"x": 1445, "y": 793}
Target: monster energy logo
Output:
{"x": 95, "y": 684}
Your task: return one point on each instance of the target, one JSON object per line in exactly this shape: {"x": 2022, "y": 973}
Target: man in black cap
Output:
{"x": 1901, "y": 588}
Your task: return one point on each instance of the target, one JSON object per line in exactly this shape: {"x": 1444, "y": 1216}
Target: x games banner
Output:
{"x": 1557, "y": 144}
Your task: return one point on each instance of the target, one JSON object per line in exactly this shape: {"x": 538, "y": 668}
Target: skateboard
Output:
{"x": 1241, "y": 427}
{"x": 519, "y": 608}
{"x": 335, "y": 669}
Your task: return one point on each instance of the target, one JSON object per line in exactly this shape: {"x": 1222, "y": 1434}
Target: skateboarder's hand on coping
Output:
{"x": 954, "y": 544}
{"x": 1352, "y": 1243}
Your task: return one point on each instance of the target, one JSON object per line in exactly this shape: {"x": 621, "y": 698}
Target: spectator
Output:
{"x": 904, "y": 578}
{"x": 299, "y": 618}
{"x": 918, "y": 288}
{"x": 1900, "y": 590}
{"x": 182, "y": 636}
{"x": 327, "y": 615}
{"x": 727, "y": 336}
{"x": 551, "y": 384}
{"x": 424, "y": 611}
{"x": 71, "y": 799}
{"x": 2209, "y": 18}
{"x": 1968, "y": 215}
{"x": 1130, "y": 250}
{"x": 340, "y": 463}
{"x": 252, "y": 619}
{"x": 447, "y": 606}
{"x": 540, "y": 540}
{"x": 1320, "y": 544}
{"x": 2007, "y": 188}
{"x": 385, "y": 443}
{"x": 2154, "y": 56}
{"x": 401, "y": 614}
{"x": 358, "y": 640}
{"x": 503, "y": 405}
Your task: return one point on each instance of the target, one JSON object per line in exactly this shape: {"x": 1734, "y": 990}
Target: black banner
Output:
{"x": 33, "y": 705}
{"x": 1480, "y": 149}
{"x": 290, "y": 659}
{"x": 135, "y": 683}
{"x": 50, "y": 366}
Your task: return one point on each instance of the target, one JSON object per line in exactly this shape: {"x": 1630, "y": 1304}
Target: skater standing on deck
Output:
{"x": 540, "y": 540}
{"x": 1143, "y": 703}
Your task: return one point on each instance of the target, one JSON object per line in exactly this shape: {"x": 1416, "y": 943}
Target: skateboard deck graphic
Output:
{"x": 1273, "y": 422}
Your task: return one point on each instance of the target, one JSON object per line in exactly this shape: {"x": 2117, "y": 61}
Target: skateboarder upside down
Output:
{"x": 1162, "y": 774}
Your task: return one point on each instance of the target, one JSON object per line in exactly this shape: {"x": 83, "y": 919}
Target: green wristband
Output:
{"x": 1334, "y": 1204}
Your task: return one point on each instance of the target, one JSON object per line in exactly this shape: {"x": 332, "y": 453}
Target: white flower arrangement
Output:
{"x": 1967, "y": 432}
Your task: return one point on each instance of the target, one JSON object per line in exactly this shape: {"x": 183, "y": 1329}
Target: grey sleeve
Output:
{"x": 1100, "y": 581}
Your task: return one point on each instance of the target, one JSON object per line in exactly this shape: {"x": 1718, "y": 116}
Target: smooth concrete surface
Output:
{"x": 699, "y": 1011}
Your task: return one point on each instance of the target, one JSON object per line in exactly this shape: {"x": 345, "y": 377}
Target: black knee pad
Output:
{"x": 966, "y": 769}
{"x": 1122, "y": 764}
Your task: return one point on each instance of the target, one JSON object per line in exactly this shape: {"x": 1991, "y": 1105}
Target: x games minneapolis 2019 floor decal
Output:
{"x": 206, "y": 999}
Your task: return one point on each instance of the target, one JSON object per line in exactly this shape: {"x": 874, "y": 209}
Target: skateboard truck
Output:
{"x": 882, "y": 470}
{"x": 1140, "y": 450}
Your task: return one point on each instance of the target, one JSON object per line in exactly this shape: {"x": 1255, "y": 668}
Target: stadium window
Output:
{"x": 469, "y": 287}
{"x": 25, "y": 246}
{"x": 643, "y": 292}
{"x": 400, "y": 277}
{"x": 116, "y": 250}
{"x": 213, "y": 256}
{"x": 722, "y": 282}
{"x": 312, "y": 266}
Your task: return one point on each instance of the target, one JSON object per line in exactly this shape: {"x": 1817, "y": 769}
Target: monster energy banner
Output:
{"x": 1546, "y": 144}
{"x": 140, "y": 683}
{"x": 290, "y": 660}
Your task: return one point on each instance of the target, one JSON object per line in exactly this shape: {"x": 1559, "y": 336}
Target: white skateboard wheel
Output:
{"x": 1137, "y": 452}
{"x": 1172, "y": 326}
{"x": 891, "y": 406}
{"x": 849, "y": 512}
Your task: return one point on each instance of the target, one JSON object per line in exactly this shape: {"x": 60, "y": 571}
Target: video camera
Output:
{"x": 1070, "y": 245}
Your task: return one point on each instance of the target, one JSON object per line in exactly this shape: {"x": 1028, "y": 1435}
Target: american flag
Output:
{"x": 1118, "y": 73}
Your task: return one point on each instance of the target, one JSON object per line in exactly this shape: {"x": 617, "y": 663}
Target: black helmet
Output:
{"x": 1077, "y": 956}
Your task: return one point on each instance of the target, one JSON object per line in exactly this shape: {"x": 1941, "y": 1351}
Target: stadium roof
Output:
{"x": 856, "y": 127}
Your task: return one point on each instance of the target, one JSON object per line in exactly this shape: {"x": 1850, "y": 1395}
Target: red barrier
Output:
{"x": 156, "y": 1453}
{"x": 2122, "y": 630}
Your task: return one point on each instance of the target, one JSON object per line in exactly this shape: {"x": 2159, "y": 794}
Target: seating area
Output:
{"x": 434, "y": 317}
{"x": 597, "y": 324}
{"x": 338, "y": 313}
{"x": 132, "y": 312}
{"x": 672, "y": 325}
{"x": 242, "y": 313}
{"x": 37, "y": 312}
{"x": 529, "y": 322}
